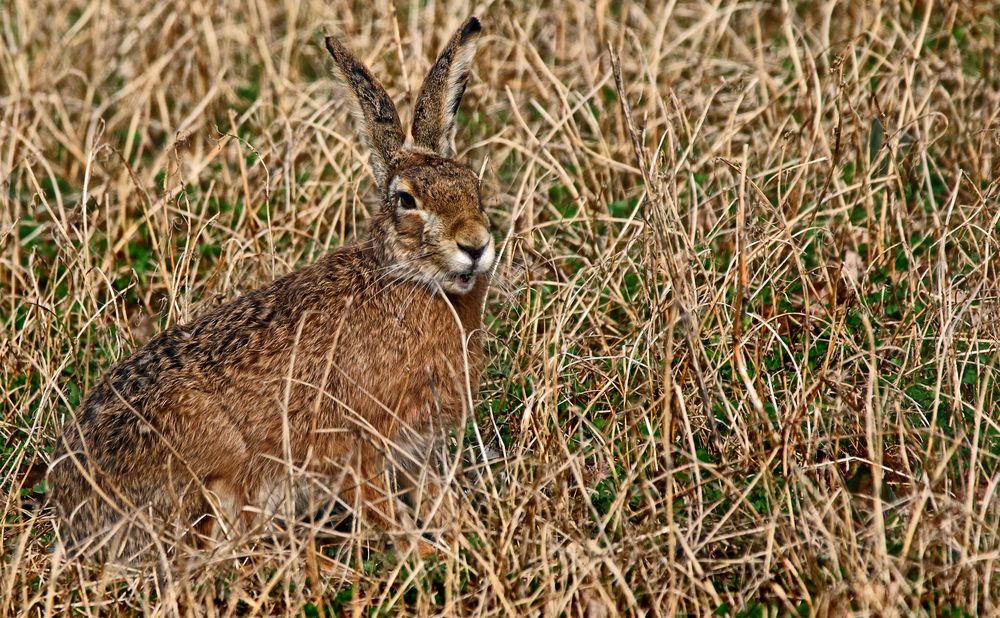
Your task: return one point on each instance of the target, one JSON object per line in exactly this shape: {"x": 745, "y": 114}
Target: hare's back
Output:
{"x": 180, "y": 384}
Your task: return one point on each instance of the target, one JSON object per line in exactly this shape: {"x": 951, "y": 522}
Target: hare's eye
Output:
{"x": 406, "y": 201}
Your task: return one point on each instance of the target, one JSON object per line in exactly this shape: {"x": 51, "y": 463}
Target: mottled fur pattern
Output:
{"x": 441, "y": 93}
{"x": 366, "y": 354}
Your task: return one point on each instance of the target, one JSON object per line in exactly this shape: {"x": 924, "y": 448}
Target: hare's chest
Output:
{"x": 414, "y": 366}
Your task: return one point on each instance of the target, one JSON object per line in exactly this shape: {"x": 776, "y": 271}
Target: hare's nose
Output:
{"x": 473, "y": 252}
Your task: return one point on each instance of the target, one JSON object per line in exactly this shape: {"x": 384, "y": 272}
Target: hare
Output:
{"x": 366, "y": 355}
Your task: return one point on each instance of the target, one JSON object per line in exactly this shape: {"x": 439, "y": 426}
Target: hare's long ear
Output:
{"x": 372, "y": 107}
{"x": 434, "y": 114}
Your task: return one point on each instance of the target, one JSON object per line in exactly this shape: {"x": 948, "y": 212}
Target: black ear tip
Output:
{"x": 330, "y": 43}
{"x": 472, "y": 26}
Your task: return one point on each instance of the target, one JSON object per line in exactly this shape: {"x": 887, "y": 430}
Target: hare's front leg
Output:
{"x": 372, "y": 500}
{"x": 424, "y": 489}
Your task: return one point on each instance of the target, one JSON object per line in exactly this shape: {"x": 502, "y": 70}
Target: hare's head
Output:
{"x": 431, "y": 227}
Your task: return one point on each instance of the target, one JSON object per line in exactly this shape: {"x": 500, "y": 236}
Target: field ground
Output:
{"x": 742, "y": 344}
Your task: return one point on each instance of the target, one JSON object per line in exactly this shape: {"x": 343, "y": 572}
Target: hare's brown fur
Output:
{"x": 367, "y": 352}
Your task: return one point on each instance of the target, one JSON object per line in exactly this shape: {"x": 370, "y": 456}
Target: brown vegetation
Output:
{"x": 741, "y": 351}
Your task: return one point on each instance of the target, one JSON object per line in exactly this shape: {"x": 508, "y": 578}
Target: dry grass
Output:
{"x": 743, "y": 347}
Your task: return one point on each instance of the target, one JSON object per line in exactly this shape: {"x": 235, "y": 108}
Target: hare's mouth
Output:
{"x": 460, "y": 283}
